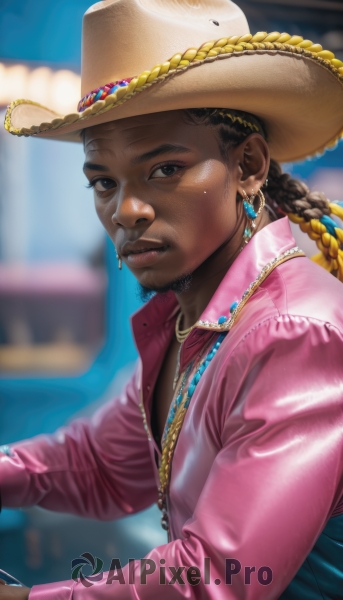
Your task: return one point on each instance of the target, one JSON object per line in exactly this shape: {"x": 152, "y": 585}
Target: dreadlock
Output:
{"x": 284, "y": 195}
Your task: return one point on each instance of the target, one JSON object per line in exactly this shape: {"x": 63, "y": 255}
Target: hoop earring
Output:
{"x": 248, "y": 205}
{"x": 119, "y": 261}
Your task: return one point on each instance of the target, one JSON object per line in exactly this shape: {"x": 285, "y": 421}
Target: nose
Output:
{"x": 131, "y": 210}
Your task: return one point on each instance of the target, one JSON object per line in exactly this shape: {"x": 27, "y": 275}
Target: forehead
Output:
{"x": 133, "y": 132}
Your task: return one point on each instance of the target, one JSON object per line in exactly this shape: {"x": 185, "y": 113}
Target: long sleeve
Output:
{"x": 272, "y": 486}
{"x": 98, "y": 468}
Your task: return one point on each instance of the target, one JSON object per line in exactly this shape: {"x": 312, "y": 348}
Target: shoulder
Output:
{"x": 287, "y": 363}
{"x": 301, "y": 288}
{"x": 299, "y": 300}
{"x": 290, "y": 331}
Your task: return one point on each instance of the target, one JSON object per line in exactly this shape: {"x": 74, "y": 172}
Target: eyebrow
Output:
{"x": 163, "y": 149}
{"x": 89, "y": 166}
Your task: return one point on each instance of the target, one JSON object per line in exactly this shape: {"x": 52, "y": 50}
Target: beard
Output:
{"x": 178, "y": 286}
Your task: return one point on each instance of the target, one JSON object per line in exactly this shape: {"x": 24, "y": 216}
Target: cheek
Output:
{"x": 103, "y": 210}
{"x": 207, "y": 217}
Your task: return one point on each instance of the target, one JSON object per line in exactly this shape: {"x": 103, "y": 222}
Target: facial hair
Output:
{"x": 178, "y": 286}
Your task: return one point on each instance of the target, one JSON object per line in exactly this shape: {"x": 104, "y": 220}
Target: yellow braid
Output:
{"x": 234, "y": 118}
{"x": 261, "y": 42}
{"x": 330, "y": 246}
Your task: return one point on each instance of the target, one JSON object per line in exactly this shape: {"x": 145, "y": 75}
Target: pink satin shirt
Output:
{"x": 258, "y": 467}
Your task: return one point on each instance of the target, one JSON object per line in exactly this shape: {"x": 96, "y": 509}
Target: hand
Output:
{"x": 11, "y": 592}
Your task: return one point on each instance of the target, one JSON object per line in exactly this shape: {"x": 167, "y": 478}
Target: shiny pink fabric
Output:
{"x": 258, "y": 467}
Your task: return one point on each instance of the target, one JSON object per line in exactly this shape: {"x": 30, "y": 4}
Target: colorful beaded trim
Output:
{"x": 263, "y": 42}
{"x": 101, "y": 93}
{"x": 225, "y": 323}
{"x": 181, "y": 403}
{"x": 209, "y": 49}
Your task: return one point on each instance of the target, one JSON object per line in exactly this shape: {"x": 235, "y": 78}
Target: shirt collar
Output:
{"x": 267, "y": 244}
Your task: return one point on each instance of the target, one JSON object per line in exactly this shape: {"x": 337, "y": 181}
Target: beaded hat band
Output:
{"x": 243, "y": 43}
{"x": 291, "y": 83}
{"x": 101, "y": 93}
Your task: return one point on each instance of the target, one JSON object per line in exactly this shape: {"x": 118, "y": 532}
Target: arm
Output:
{"x": 275, "y": 481}
{"x": 99, "y": 468}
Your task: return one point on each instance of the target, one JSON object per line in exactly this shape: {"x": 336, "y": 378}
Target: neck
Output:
{"x": 207, "y": 277}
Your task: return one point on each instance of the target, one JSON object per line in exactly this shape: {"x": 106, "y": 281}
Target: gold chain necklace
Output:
{"x": 186, "y": 392}
{"x": 181, "y": 334}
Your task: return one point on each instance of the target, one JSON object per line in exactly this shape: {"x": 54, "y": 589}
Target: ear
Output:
{"x": 252, "y": 161}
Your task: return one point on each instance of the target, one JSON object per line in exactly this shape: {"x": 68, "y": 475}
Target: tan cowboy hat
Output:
{"x": 145, "y": 56}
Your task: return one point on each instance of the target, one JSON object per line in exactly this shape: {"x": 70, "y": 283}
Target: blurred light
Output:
{"x": 13, "y": 82}
{"x": 65, "y": 88}
{"x": 38, "y": 86}
{"x": 57, "y": 90}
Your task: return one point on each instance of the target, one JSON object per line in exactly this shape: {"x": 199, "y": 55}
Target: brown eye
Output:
{"x": 166, "y": 171}
{"x": 102, "y": 185}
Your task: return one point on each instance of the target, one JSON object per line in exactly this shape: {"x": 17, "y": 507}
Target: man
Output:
{"x": 235, "y": 410}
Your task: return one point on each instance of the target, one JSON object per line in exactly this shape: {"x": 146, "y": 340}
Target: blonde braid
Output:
{"x": 328, "y": 237}
{"x": 311, "y": 211}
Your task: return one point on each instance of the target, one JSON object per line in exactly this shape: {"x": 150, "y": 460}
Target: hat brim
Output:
{"x": 296, "y": 91}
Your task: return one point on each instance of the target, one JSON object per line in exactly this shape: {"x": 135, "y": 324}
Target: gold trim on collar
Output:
{"x": 226, "y": 326}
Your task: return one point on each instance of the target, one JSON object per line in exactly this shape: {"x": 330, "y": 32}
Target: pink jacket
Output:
{"x": 258, "y": 467}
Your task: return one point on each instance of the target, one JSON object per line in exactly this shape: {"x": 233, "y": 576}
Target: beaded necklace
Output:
{"x": 175, "y": 418}
{"x": 183, "y": 394}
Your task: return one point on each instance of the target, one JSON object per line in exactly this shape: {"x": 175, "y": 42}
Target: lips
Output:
{"x": 142, "y": 246}
{"x": 143, "y": 253}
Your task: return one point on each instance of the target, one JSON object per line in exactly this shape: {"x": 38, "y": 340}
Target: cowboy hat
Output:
{"x": 145, "y": 56}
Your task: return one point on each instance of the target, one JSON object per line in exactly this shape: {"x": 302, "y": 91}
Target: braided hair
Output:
{"x": 284, "y": 195}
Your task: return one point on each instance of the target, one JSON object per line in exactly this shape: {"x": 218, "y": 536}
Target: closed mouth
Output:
{"x": 144, "y": 249}
{"x": 150, "y": 250}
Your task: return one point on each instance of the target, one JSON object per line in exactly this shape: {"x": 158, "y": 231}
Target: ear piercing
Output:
{"x": 119, "y": 261}
{"x": 248, "y": 205}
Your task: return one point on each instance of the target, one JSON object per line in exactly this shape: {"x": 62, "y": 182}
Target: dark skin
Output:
{"x": 8, "y": 592}
{"x": 186, "y": 199}
{"x": 181, "y": 205}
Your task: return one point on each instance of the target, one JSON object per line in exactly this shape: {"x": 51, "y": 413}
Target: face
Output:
{"x": 164, "y": 193}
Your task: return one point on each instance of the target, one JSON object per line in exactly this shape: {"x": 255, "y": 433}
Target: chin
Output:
{"x": 177, "y": 285}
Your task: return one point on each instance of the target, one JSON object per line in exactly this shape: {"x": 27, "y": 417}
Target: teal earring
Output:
{"x": 248, "y": 205}
{"x": 119, "y": 261}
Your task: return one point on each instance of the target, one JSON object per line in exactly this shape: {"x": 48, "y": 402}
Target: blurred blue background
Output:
{"x": 46, "y": 32}
{"x": 65, "y": 339}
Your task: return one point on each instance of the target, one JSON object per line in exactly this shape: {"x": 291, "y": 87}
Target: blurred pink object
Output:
{"x": 51, "y": 279}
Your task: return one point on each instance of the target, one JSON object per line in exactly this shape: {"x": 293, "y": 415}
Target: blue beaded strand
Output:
{"x": 194, "y": 382}
{"x": 177, "y": 402}
{"x": 196, "y": 378}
